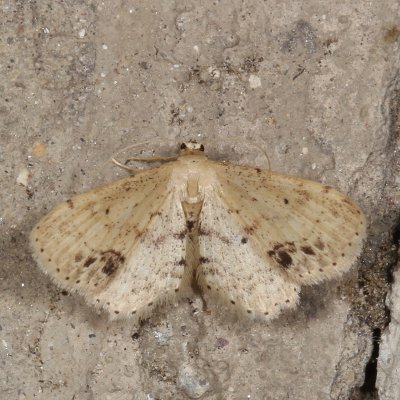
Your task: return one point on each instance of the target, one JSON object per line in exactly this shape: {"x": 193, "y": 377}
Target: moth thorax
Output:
{"x": 191, "y": 148}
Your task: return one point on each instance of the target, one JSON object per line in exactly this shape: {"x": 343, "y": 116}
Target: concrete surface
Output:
{"x": 311, "y": 83}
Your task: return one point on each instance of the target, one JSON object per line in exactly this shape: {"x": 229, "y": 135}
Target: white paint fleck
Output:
{"x": 214, "y": 72}
{"x": 23, "y": 176}
{"x": 254, "y": 81}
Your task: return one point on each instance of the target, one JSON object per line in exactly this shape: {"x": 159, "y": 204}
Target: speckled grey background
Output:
{"x": 313, "y": 84}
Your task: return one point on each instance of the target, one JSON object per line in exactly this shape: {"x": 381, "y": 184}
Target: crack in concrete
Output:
{"x": 391, "y": 112}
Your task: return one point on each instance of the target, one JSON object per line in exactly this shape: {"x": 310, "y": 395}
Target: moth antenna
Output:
{"x": 152, "y": 159}
{"x": 117, "y": 163}
{"x": 140, "y": 159}
{"x": 132, "y": 146}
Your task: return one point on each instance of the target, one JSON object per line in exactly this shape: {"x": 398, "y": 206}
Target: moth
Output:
{"x": 249, "y": 237}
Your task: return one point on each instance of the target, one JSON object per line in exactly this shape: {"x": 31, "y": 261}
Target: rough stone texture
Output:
{"x": 309, "y": 83}
{"x": 389, "y": 363}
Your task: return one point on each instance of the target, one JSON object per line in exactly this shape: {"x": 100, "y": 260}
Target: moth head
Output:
{"x": 189, "y": 148}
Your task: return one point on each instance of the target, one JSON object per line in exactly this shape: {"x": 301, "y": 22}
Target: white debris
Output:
{"x": 23, "y": 177}
{"x": 254, "y": 81}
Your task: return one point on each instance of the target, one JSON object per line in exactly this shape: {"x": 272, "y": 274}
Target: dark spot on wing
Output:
{"x": 112, "y": 260}
{"x": 287, "y": 246}
{"x": 180, "y": 235}
{"x": 284, "y": 259}
{"x": 286, "y": 201}
{"x": 190, "y": 225}
{"x": 89, "y": 261}
{"x": 244, "y": 240}
{"x": 182, "y": 261}
{"x": 204, "y": 232}
{"x": 107, "y": 211}
{"x": 212, "y": 233}
{"x": 159, "y": 240}
{"x": 308, "y": 250}
{"x": 70, "y": 203}
{"x": 204, "y": 260}
{"x": 250, "y": 229}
